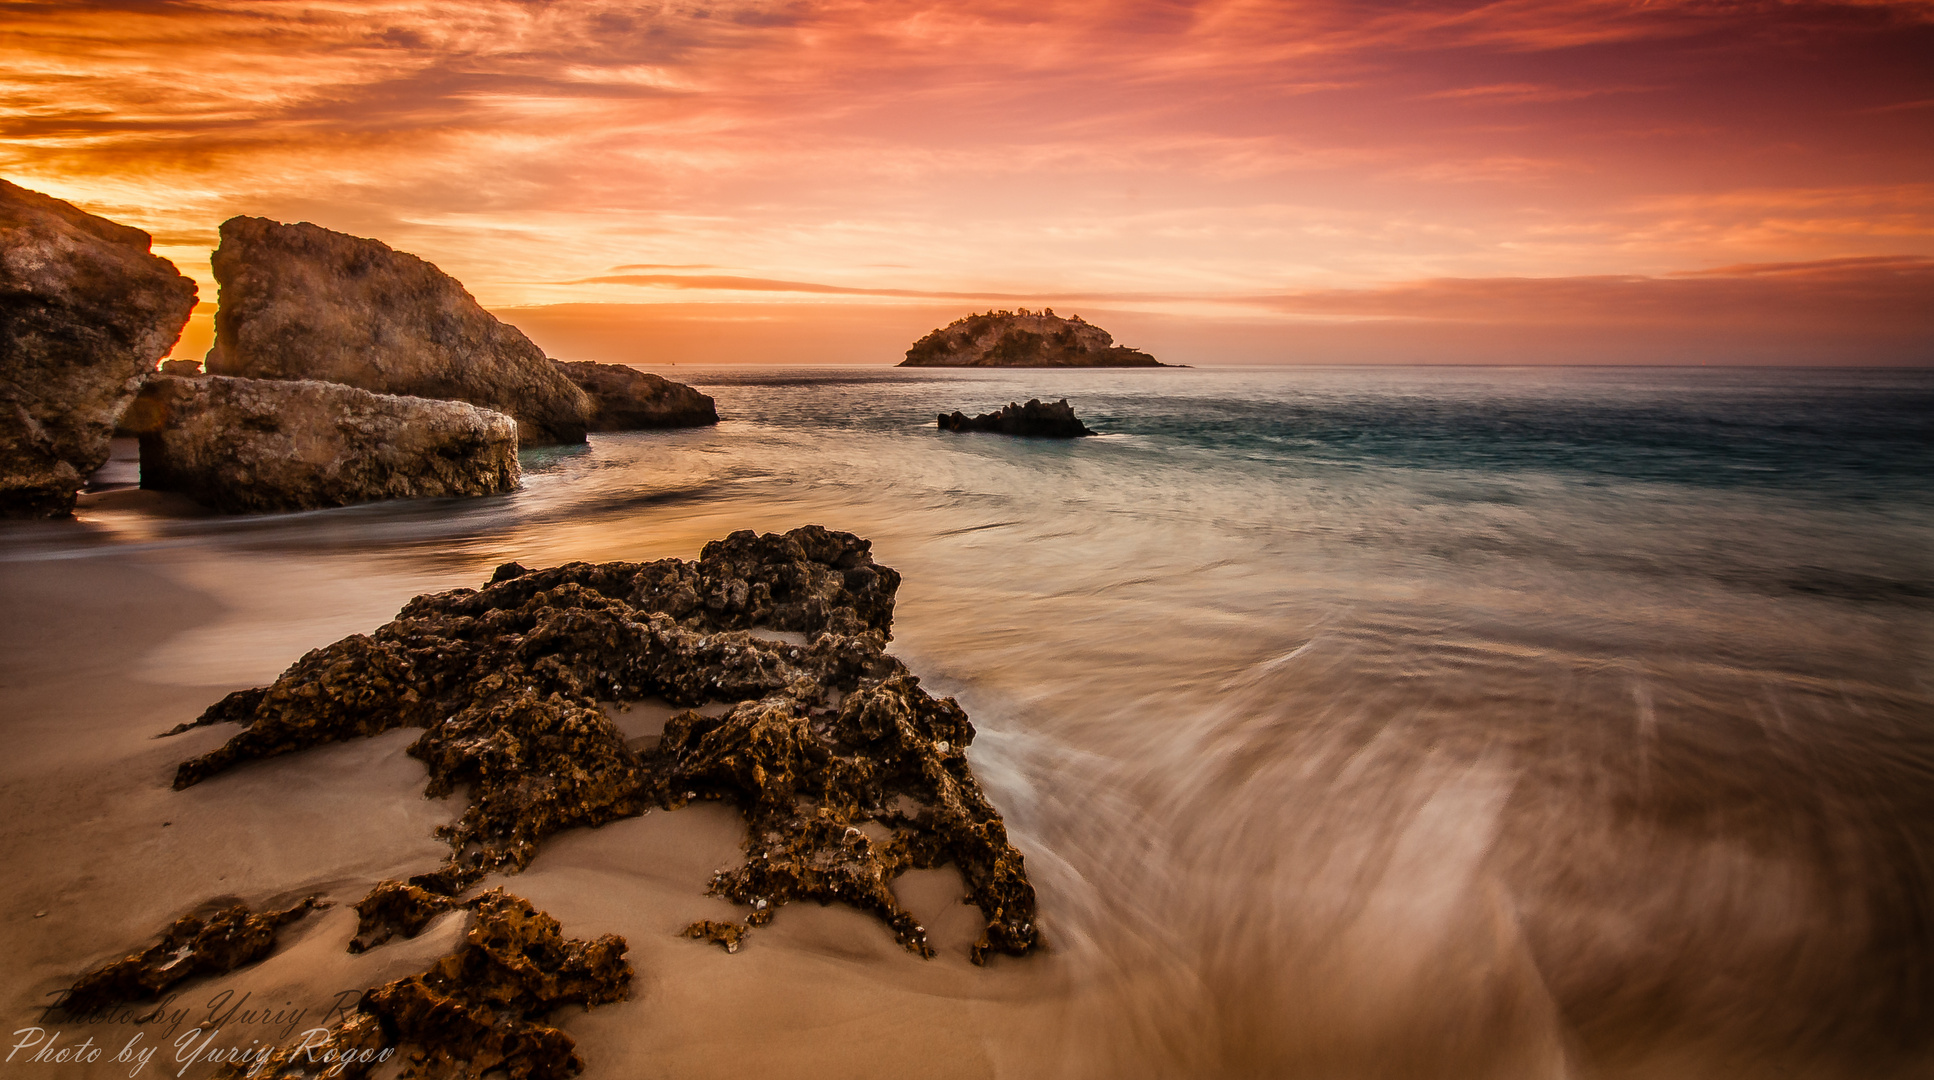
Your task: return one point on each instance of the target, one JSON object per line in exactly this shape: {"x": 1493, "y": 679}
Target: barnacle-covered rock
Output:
{"x": 824, "y": 740}
{"x": 219, "y": 936}
{"x": 725, "y": 935}
{"x": 480, "y": 1009}
{"x": 395, "y": 908}
{"x": 809, "y": 778}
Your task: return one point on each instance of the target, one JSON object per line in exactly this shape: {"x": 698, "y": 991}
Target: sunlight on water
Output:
{"x": 1361, "y": 723}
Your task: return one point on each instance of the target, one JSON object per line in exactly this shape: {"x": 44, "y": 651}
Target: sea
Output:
{"x": 1370, "y": 721}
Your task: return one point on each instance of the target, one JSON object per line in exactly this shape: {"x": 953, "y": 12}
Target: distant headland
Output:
{"x": 1023, "y": 338}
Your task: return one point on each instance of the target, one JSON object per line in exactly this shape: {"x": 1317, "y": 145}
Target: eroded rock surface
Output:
{"x": 85, "y": 311}
{"x": 218, "y": 937}
{"x": 396, "y": 908}
{"x": 1023, "y": 338}
{"x": 821, "y": 740}
{"x": 257, "y": 445}
{"x": 626, "y": 399}
{"x": 303, "y": 302}
{"x": 483, "y": 1008}
{"x": 1056, "y": 421}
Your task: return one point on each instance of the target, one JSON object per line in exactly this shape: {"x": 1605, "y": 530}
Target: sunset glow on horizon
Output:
{"x": 1574, "y": 181}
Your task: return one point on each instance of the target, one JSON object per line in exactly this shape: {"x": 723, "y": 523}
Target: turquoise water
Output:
{"x": 1366, "y": 722}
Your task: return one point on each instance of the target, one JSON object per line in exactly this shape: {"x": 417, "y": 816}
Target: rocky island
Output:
{"x": 1023, "y": 338}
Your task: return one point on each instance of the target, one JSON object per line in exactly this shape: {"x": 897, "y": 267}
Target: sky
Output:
{"x": 1230, "y": 181}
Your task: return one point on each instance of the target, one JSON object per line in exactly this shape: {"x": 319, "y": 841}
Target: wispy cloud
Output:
{"x": 729, "y": 284}
{"x": 1884, "y": 295}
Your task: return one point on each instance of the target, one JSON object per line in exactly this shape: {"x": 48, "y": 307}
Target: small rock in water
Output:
{"x": 1055, "y": 421}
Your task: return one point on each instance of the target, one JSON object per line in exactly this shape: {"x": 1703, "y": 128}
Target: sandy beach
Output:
{"x": 133, "y": 643}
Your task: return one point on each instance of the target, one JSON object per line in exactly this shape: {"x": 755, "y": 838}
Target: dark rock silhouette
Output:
{"x": 85, "y": 311}
{"x": 820, "y": 740}
{"x": 626, "y": 399}
{"x": 1055, "y": 421}
{"x": 259, "y": 445}
{"x": 303, "y": 302}
{"x": 1023, "y": 338}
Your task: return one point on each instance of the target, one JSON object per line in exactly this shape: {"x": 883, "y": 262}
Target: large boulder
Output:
{"x": 626, "y": 399}
{"x": 1023, "y": 338}
{"x": 85, "y": 311}
{"x": 254, "y": 445}
{"x": 302, "y": 302}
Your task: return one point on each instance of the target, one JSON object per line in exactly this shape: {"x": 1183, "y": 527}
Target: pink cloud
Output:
{"x": 1160, "y": 151}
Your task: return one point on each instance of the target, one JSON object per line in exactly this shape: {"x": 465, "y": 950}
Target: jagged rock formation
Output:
{"x": 1023, "y": 339}
{"x": 1056, "y": 421}
{"x": 478, "y": 1010}
{"x": 302, "y": 302}
{"x": 260, "y": 445}
{"x": 217, "y": 937}
{"x": 821, "y": 740}
{"x": 85, "y": 311}
{"x": 395, "y": 908}
{"x": 626, "y": 399}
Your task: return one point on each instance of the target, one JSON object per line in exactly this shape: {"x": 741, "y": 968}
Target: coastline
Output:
{"x": 1323, "y": 755}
